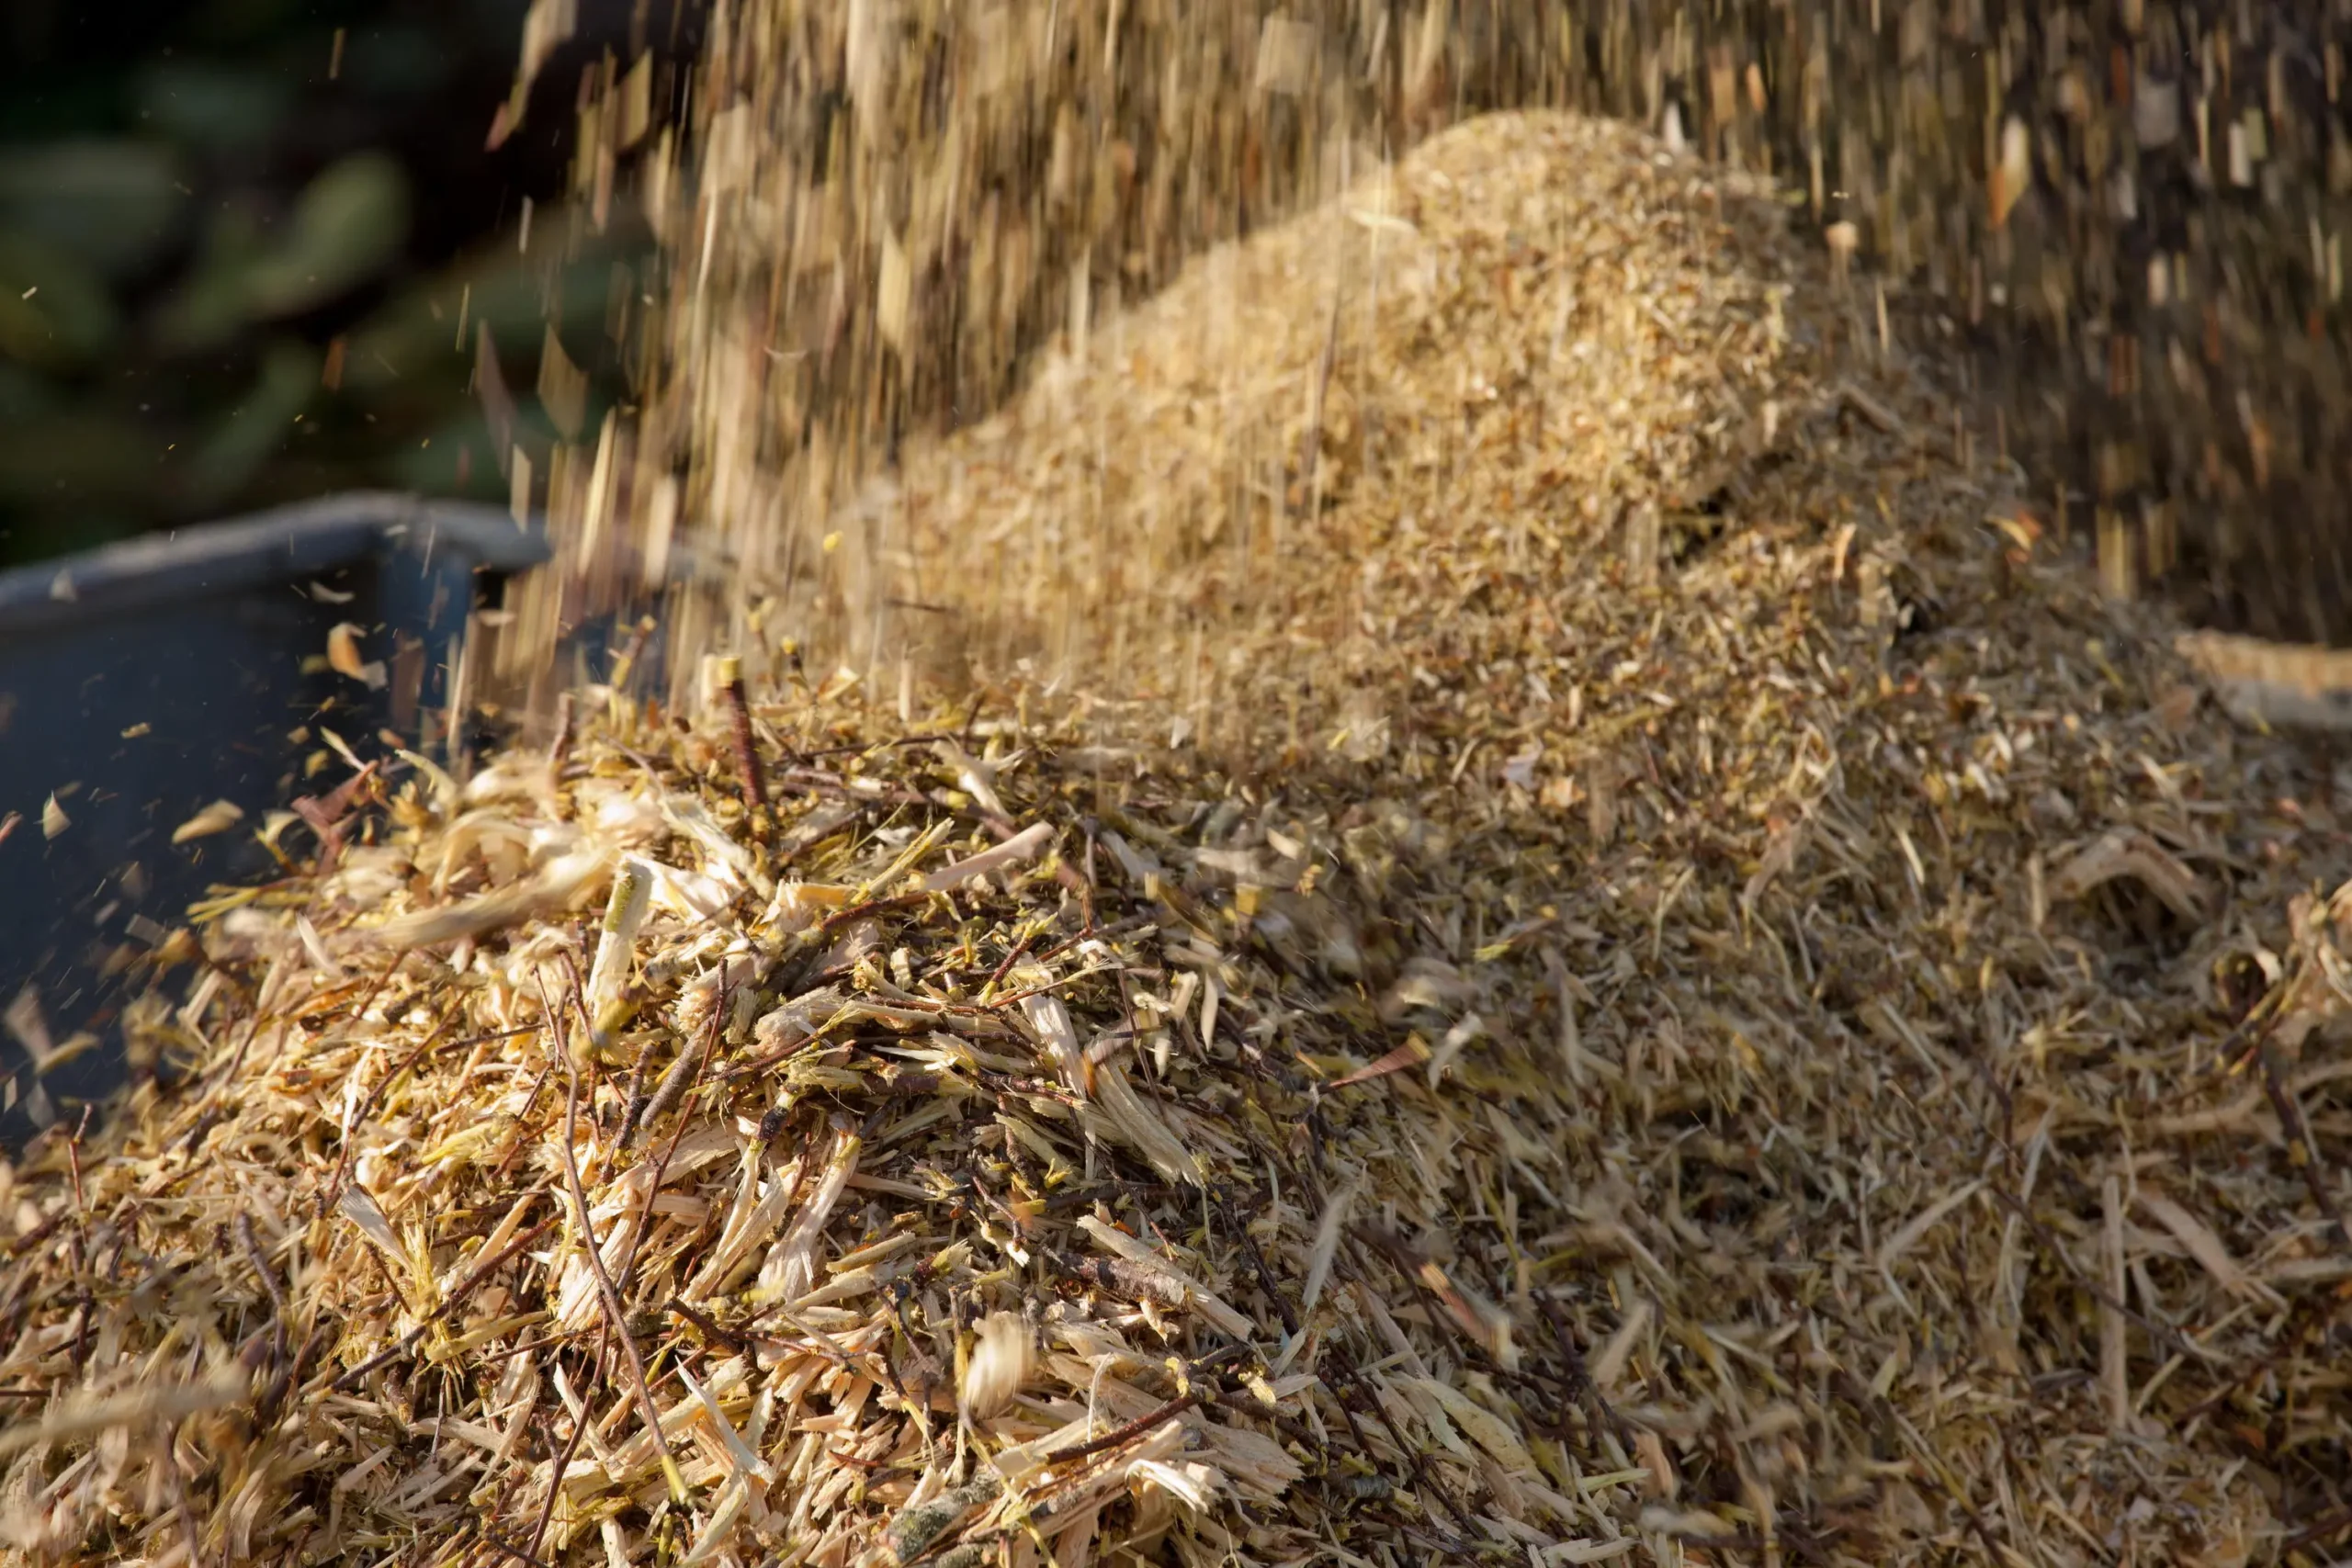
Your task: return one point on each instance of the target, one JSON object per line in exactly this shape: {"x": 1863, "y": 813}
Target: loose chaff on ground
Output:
{"x": 1611, "y": 969}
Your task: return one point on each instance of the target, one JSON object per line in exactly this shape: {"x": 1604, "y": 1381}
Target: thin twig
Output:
{"x": 1352, "y": 1381}
{"x": 268, "y": 1276}
{"x": 530, "y": 1558}
{"x": 871, "y": 906}
{"x": 747, "y": 752}
{"x": 684, "y": 1074}
{"x": 570, "y": 1447}
{"x": 2306, "y": 1148}
{"x": 1580, "y": 1375}
{"x": 2163, "y": 1333}
{"x": 449, "y": 1303}
{"x": 615, "y": 1312}
{"x": 737, "y": 1342}
{"x": 634, "y": 1100}
{"x": 560, "y": 747}
{"x": 661, "y": 1165}
{"x": 1130, "y": 1432}
{"x": 170, "y": 1465}
{"x": 1310, "y": 461}
{"x": 2333, "y": 1523}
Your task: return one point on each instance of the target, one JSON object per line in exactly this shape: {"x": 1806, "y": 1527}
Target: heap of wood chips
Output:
{"x": 1744, "y": 1015}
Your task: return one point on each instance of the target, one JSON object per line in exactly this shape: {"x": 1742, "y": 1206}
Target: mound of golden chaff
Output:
{"x": 1751, "y": 1020}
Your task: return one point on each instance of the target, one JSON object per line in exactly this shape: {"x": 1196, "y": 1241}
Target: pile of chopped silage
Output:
{"x": 1718, "y": 1006}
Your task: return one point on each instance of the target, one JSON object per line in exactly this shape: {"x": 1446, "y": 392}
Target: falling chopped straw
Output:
{"x": 1341, "y": 1137}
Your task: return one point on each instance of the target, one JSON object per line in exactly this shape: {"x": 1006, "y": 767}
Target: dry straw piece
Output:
{"x": 1607, "y": 968}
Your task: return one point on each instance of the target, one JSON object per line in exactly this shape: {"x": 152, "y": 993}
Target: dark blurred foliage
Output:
{"x": 246, "y": 247}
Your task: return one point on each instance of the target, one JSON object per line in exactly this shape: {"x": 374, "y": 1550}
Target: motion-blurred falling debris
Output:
{"x": 217, "y": 818}
{"x": 344, "y": 659}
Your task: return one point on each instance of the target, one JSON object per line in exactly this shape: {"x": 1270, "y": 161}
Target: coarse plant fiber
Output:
{"x": 1615, "y": 965}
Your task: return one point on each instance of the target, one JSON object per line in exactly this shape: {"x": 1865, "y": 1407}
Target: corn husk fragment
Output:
{"x": 217, "y": 818}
